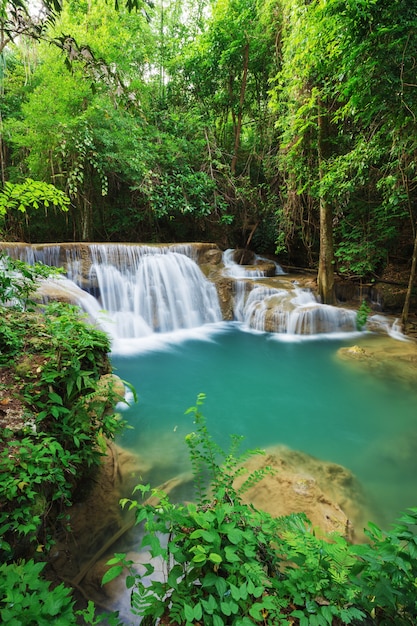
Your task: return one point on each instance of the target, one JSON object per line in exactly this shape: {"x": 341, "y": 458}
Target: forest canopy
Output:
{"x": 286, "y": 125}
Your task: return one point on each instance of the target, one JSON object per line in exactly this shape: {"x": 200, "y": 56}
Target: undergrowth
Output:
{"x": 226, "y": 563}
{"x": 55, "y": 417}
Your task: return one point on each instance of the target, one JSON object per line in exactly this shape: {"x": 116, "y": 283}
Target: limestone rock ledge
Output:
{"x": 384, "y": 357}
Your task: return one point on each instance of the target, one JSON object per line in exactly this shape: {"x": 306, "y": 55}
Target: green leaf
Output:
{"x": 215, "y": 558}
{"x": 198, "y": 612}
{"x": 235, "y": 535}
{"x": 189, "y": 613}
{"x": 221, "y": 586}
{"x": 199, "y": 558}
{"x": 231, "y": 555}
{"x": 55, "y": 397}
{"x": 111, "y": 574}
{"x": 226, "y": 608}
{"x": 130, "y": 581}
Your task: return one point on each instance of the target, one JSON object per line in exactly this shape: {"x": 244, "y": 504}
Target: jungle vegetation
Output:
{"x": 286, "y": 125}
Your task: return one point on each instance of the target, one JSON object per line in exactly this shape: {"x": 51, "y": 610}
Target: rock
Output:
{"x": 327, "y": 493}
{"x": 384, "y": 357}
{"x": 265, "y": 268}
{"x": 244, "y": 257}
{"x": 224, "y": 288}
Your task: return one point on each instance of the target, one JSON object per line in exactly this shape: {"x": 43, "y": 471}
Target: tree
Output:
{"x": 224, "y": 73}
{"x": 30, "y": 194}
{"x": 67, "y": 142}
{"x": 302, "y": 97}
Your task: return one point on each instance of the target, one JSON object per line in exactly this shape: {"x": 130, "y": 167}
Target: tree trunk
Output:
{"x": 406, "y": 307}
{"x": 325, "y": 277}
{"x": 238, "y": 129}
{"x": 85, "y": 219}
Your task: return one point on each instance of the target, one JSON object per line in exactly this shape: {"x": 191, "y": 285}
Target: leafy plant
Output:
{"x": 53, "y": 361}
{"x": 31, "y": 193}
{"x": 387, "y": 572}
{"x": 229, "y": 564}
{"x": 19, "y": 281}
{"x": 362, "y": 315}
{"x": 35, "y": 472}
{"x": 28, "y": 599}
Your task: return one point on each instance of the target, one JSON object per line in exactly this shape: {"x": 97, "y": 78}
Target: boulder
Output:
{"x": 384, "y": 357}
{"x": 327, "y": 493}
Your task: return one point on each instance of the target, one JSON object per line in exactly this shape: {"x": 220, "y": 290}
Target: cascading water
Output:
{"x": 139, "y": 289}
{"x": 255, "y": 270}
{"x": 285, "y": 308}
{"x": 294, "y": 312}
{"x": 158, "y": 292}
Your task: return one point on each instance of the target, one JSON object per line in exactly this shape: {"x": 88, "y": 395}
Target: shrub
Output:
{"x": 230, "y": 564}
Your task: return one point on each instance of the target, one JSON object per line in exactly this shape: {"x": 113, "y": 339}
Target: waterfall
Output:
{"x": 154, "y": 292}
{"x": 134, "y": 291}
{"x": 290, "y": 311}
{"x": 277, "y": 304}
{"x": 260, "y": 267}
{"x": 130, "y": 291}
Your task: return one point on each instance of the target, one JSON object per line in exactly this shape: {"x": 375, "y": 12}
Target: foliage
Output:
{"x": 203, "y": 123}
{"x": 19, "y": 281}
{"x": 348, "y": 64}
{"x": 51, "y": 361}
{"x": 31, "y": 193}
{"x": 28, "y": 197}
{"x": 387, "y": 571}
{"x": 227, "y": 563}
{"x": 56, "y": 360}
{"x": 362, "y": 315}
{"x": 28, "y": 599}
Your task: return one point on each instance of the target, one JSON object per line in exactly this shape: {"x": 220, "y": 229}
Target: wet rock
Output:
{"x": 244, "y": 257}
{"x": 224, "y": 288}
{"x": 327, "y": 493}
{"x": 384, "y": 357}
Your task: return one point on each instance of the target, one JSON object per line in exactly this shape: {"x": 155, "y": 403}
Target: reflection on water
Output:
{"x": 274, "y": 392}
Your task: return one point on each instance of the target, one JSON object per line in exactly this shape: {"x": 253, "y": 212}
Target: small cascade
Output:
{"x": 48, "y": 255}
{"x": 156, "y": 292}
{"x": 131, "y": 291}
{"x": 290, "y": 311}
{"x": 260, "y": 267}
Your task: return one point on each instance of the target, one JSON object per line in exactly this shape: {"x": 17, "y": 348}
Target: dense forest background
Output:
{"x": 285, "y": 125}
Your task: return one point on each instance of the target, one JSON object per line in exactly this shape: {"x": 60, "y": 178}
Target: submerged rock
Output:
{"x": 384, "y": 357}
{"x": 327, "y": 493}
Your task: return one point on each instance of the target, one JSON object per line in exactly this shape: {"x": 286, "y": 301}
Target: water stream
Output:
{"x": 299, "y": 394}
{"x": 288, "y": 387}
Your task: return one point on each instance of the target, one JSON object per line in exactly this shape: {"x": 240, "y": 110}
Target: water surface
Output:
{"x": 273, "y": 392}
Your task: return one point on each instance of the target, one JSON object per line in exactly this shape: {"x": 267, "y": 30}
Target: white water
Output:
{"x": 160, "y": 293}
{"x": 136, "y": 291}
{"x": 144, "y": 290}
{"x": 235, "y": 270}
{"x": 140, "y": 290}
{"x": 290, "y": 310}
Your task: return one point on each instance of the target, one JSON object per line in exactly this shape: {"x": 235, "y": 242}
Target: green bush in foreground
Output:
{"x": 228, "y": 564}
{"x": 54, "y": 422}
{"x": 51, "y": 362}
